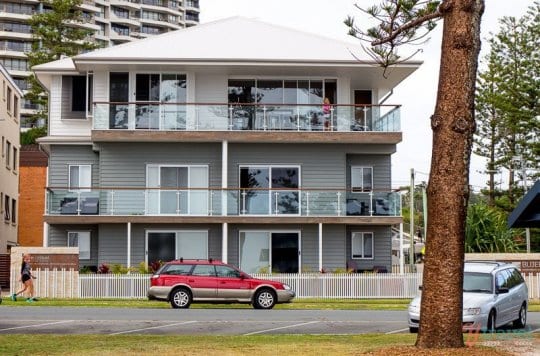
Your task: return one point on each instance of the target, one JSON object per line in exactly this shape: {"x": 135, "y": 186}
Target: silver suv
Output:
{"x": 494, "y": 294}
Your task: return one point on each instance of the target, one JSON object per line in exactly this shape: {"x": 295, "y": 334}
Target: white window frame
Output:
{"x": 190, "y": 185}
{"x": 83, "y": 243}
{"x": 359, "y": 237}
{"x": 78, "y": 189}
{"x": 359, "y": 171}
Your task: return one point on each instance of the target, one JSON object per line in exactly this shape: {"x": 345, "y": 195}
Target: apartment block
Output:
{"x": 273, "y": 155}
{"x": 112, "y": 22}
{"x": 9, "y": 160}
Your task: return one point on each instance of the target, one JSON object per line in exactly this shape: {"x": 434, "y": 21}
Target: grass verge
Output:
{"x": 217, "y": 345}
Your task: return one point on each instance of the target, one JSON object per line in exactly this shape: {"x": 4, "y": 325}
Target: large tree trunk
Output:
{"x": 448, "y": 189}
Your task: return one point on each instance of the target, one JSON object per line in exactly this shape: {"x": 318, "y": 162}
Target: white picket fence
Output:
{"x": 71, "y": 284}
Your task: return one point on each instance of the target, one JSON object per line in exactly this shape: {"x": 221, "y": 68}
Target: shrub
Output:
{"x": 103, "y": 268}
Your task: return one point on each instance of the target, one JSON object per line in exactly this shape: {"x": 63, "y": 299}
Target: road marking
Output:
{"x": 36, "y": 325}
{"x": 153, "y": 327}
{"x": 396, "y": 331}
{"x": 282, "y": 327}
{"x": 536, "y": 330}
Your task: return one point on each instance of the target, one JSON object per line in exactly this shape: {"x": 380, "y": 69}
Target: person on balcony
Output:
{"x": 326, "y": 108}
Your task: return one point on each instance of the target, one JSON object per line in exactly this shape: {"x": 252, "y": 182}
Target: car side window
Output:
{"x": 225, "y": 271}
{"x": 182, "y": 270}
{"x": 204, "y": 270}
{"x": 514, "y": 278}
{"x": 500, "y": 280}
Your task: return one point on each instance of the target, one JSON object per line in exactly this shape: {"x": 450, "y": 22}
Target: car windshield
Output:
{"x": 475, "y": 282}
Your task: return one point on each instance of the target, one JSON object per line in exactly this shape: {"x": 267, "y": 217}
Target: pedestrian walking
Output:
{"x": 27, "y": 280}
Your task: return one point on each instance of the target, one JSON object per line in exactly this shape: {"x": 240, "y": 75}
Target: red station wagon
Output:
{"x": 182, "y": 282}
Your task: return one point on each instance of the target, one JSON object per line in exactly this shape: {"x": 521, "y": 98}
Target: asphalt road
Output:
{"x": 118, "y": 321}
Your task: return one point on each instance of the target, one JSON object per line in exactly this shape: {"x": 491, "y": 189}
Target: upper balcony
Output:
{"x": 147, "y": 121}
{"x": 285, "y": 205}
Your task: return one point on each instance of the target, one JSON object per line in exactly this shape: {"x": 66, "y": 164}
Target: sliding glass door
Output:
{"x": 169, "y": 245}
{"x": 177, "y": 190}
{"x": 264, "y": 252}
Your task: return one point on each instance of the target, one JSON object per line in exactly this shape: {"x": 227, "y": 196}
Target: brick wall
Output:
{"x": 31, "y": 205}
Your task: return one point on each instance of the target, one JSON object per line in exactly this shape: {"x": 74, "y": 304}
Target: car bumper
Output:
{"x": 285, "y": 296}
{"x": 470, "y": 322}
{"x": 160, "y": 293}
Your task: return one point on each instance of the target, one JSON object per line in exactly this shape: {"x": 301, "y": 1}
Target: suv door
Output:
{"x": 231, "y": 285}
{"x": 203, "y": 282}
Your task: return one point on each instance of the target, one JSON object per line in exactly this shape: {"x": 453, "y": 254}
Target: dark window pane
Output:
{"x": 241, "y": 91}
{"x": 78, "y": 93}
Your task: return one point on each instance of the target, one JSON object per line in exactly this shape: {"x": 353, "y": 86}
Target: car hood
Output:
{"x": 475, "y": 300}
{"x": 470, "y": 300}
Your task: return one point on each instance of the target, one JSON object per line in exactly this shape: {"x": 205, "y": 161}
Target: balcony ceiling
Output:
{"x": 242, "y": 46}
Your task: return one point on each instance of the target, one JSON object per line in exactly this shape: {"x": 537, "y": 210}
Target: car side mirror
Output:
{"x": 502, "y": 290}
{"x": 243, "y": 276}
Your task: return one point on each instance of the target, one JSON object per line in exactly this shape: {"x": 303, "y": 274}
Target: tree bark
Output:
{"x": 453, "y": 126}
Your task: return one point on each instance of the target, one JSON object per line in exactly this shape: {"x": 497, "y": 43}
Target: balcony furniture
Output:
{"x": 381, "y": 207}
{"x": 354, "y": 207}
{"x": 90, "y": 206}
{"x": 69, "y": 205}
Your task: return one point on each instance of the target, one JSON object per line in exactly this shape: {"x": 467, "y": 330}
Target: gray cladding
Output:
{"x": 58, "y": 237}
{"x": 62, "y": 156}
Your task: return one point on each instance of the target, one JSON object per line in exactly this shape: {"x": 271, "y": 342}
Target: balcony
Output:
{"x": 159, "y": 116}
{"x": 288, "y": 204}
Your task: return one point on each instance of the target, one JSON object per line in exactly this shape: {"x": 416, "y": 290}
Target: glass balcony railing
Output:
{"x": 255, "y": 117}
{"x": 222, "y": 202}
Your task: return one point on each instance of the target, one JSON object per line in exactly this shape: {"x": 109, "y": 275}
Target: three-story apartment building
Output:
{"x": 10, "y": 98}
{"x": 215, "y": 142}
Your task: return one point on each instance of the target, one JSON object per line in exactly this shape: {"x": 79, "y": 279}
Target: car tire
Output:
{"x": 413, "y": 330}
{"x": 180, "y": 298}
{"x": 264, "y": 299}
{"x": 492, "y": 322}
{"x": 521, "y": 321}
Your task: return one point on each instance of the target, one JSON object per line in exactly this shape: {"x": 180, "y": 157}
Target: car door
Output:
{"x": 203, "y": 282}
{"x": 231, "y": 285}
{"x": 503, "y": 301}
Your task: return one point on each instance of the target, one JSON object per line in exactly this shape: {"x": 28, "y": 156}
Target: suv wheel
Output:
{"x": 180, "y": 298}
{"x": 522, "y": 318}
{"x": 264, "y": 299}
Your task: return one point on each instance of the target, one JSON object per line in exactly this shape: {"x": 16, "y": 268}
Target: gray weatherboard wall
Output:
{"x": 109, "y": 242}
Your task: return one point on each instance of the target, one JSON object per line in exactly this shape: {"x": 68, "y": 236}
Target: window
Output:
{"x": 6, "y": 208}
{"x": 80, "y": 176}
{"x": 8, "y": 104}
{"x": 362, "y": 245}
{"x": 8, "y": 154}
{"x": 204, "y": 270}
{"x": 3, "y": 146}
{"x": 361, "y": 179}
{"x": 269, "y": 190}
{"x": 13, "y": 211}
{"x": 170, "y": 245}
{"x": 15, "y": 151}
{"x": 78, "y": 93}
{"x": 176, "y": 195}
{"x": 80, "y": 239}
{"x": 15, "y": 107}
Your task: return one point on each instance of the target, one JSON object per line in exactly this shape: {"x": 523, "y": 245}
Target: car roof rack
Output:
{"x": 496, "y": 263}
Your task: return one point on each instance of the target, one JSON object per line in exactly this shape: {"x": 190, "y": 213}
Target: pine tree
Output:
{"x": 453, "y": 125}
{"x": 55, "y": 34}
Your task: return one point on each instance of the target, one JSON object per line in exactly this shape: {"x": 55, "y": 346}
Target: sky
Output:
{"x": 416, "y": 94}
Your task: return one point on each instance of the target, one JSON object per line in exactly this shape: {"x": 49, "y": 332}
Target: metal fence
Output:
{"x": 71, "y": 284}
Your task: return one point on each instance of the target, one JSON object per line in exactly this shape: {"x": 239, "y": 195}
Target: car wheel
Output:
{"x": 522, "y": 318}
{"x": 492, "y": 319}
{"x": 413, "y": 330}
{"x": 180, "y": 298}
{"x": 264, "y": 299}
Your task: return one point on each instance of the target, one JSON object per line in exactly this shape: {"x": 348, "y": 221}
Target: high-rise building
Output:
{"x": 113, "y": 22}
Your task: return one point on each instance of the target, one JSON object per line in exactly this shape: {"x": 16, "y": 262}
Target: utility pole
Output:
{"x": 411, "y": 225}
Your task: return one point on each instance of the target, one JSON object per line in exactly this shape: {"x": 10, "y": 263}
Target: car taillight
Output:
{"x": 154, "y": 280}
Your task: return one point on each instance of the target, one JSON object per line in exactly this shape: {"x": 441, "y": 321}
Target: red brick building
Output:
{"x": 32, "y": 183}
